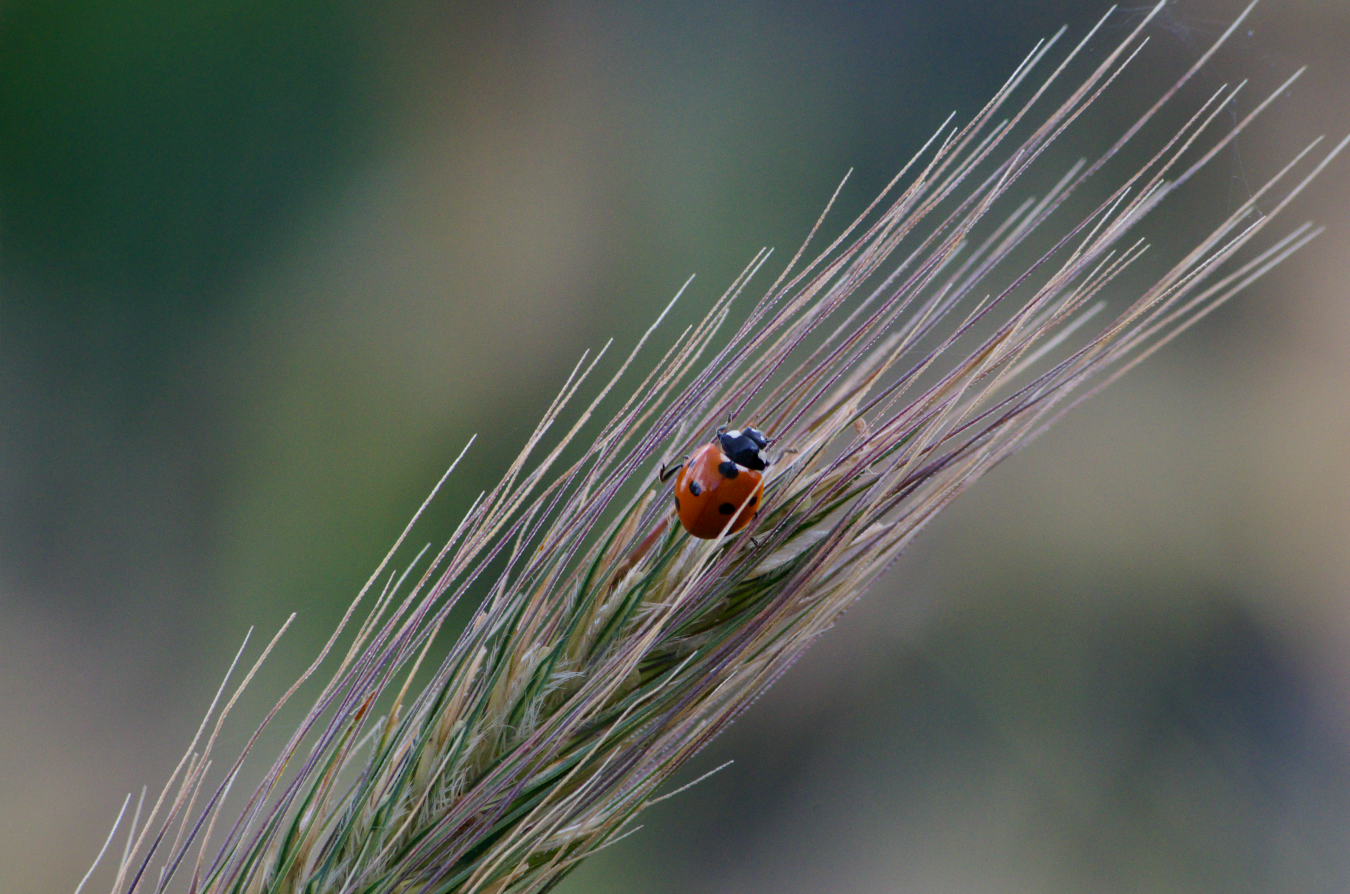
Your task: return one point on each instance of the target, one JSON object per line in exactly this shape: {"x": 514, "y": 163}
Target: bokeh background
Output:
{"x": 265, "y": 267}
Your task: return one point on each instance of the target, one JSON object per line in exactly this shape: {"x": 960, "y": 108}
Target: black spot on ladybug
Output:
{"x": 728, "y": 469}
{"x": 695, "y": 488}
{"x": 753, "y": 499}
{"x": 726, "y": 509}
{"x": 677, "y": 504}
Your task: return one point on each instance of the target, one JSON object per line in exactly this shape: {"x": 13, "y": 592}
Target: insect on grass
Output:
{"x": 947, "y": 325}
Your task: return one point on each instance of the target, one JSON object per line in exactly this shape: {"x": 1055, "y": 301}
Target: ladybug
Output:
{"x": 718, "y": 479}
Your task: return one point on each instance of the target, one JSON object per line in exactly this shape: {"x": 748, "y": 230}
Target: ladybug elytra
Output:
{"x": 719, "y": 479}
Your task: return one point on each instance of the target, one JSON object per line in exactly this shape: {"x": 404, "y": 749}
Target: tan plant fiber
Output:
{"x": 938, "y": 332}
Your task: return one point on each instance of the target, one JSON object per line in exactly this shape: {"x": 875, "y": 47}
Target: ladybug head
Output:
{"x": 745, "y": 448}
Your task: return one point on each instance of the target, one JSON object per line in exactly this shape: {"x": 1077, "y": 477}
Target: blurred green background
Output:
{"x": 266, "y": 266}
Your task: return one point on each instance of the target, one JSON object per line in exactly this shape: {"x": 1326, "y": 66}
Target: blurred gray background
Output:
{"x": 266, "y": 266}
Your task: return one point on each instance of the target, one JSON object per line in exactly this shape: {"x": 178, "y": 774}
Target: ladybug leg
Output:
{"x": 664, "y": 474}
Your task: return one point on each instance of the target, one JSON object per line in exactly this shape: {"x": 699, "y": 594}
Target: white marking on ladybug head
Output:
{"x": 733, "y": 434}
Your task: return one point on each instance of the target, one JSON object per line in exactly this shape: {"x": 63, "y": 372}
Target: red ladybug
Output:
{"x": 718, "y": 479}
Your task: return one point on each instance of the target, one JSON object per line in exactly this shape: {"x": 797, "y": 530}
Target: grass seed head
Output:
{"x": 938, "y": 332}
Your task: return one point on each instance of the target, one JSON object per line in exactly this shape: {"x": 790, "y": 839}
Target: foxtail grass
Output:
{"x": 946, "y": 326}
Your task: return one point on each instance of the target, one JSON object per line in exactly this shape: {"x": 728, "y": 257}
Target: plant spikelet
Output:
{"x": 941, "y": 330}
